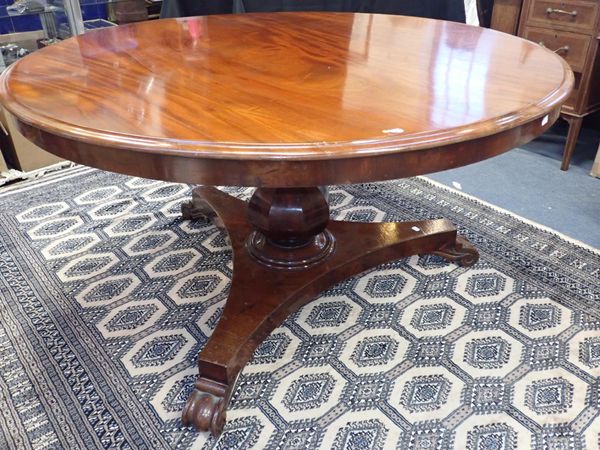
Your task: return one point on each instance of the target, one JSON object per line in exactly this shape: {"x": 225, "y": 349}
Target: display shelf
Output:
{"x": 96, "y": 24}
{"x": 47, "y": 10}
{"x": 23, "y": 33}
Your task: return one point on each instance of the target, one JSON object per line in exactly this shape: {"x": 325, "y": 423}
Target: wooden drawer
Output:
{"x": 575, "y": 15}
{"x": 572, "y": 47}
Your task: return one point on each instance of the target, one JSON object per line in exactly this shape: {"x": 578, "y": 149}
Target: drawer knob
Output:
{"x": 561, "y": 11}
{"x": 559, "y": 50}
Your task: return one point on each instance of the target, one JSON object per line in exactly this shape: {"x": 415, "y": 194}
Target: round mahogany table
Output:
{"x": 287, "y": 102}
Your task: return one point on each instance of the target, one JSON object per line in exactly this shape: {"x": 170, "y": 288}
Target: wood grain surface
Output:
{"x": 252, "y": 99}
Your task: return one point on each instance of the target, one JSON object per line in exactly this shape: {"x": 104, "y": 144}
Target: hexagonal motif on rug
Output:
{"x": 42, "y": 212}
{"x": 141, "y": 183}
{"x": 152, "y": 242}
{"x": 130, "y": 224}
{"x": 559, "y": 436}
{"x": 165, "y": 191}
{"x": 328, "y": 314}
{"x": 539, "y": 318}
{"x": 112, "y": 209}
{"x": 158, "y": 351}
{"x": 97, "y": 195}
{"x": 370, "y": 429}
{"x": 70, "y": 245}
{"x": 131, "y": 318}
{"x": 425, "y": 393}
{"x": 173, "y": 262}
{"x": 484, "y": 285}
{"x": 172, "y": 209}
{"x": 432, "y": 317}
{"x": 379, "y": 316}
{"x": 486, "y": 353}
{"x": 365, "y": 434}
{"x": 199, "y": 287}
{"x": 87, "y": 266}
{"x": 107, "y": 290}
{"x": 584, "y": 351}
{"x": 587, "y": 320}
{"x": 308, "y": 392}
{"x": 383, "y": 286}
{"x": 242, "y": 433}
{"x": 272, "y": 348}
{"x": 55, "y": 228}
{"x": 550, "y": 396}
{"x": 338, "y": 199}
{"x": 494, "y": 436}
{"x": 373, "y": 351}
{"x": 298, "y": 435}
{"x": 217, "y": 242}
{"x": 200, "y": 225}
{"x": 366, "y": 392}
{"x": 492, "y": 431}
{"x": 252, "y": 389}
{"x": 245, "y": 431}
{"x": 209, "y": 318}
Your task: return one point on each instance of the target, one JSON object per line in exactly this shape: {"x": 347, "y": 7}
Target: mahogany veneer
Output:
{"x": 287, "y": 102}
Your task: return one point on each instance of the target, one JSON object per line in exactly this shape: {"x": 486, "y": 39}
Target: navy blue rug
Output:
{"x": 107, "y": 296}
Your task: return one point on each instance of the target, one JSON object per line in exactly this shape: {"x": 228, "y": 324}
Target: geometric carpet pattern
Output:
{"x": 107, "y": 295}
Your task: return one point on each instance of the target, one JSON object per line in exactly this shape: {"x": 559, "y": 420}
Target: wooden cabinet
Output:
{"x": 571, "y": 28}
{"x": 506, "y": 14}
{"x": 575, "y": 15}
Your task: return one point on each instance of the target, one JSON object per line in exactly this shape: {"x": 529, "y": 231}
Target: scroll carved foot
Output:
{"x": 462, "y": 252}
{"x": 204, "y": 411}
{"x": 199, "y": 208}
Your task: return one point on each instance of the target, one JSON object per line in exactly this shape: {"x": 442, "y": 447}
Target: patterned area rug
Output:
{"x": 107, "y": 295}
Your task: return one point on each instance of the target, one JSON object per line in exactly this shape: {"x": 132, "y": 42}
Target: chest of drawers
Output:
{"x": 570, "y": 28}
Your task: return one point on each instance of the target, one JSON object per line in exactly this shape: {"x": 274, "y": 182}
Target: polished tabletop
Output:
{"x": 284, "y": 86}
{"x": 285, "y": 83}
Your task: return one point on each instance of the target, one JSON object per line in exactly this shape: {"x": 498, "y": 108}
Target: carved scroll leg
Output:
{"x": 198, "y": 207}
{"x": 205, "y": 407}
{"x": 260, "y": 297}
{"x": 462, "y": 252}
{"x": 245, "y": 322}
